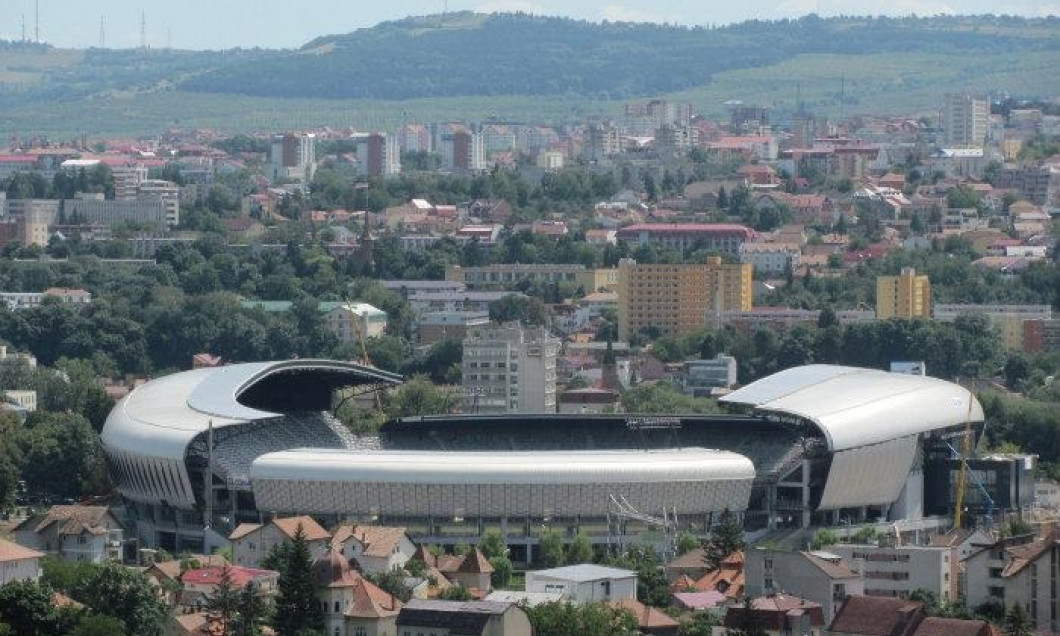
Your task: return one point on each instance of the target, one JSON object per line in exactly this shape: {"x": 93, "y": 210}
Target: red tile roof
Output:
{"x": 239, "y": 575}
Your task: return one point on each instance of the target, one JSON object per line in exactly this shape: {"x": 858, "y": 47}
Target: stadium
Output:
{"x": 195, "y": 453}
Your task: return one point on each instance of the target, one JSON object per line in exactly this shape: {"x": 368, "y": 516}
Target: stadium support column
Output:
{"x": 771, "y": 506}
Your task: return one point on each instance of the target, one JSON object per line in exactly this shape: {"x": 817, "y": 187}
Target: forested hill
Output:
{"x": 468, "y": 54}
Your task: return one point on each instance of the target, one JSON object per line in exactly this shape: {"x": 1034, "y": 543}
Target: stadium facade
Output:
{"x": 195, "y": 453}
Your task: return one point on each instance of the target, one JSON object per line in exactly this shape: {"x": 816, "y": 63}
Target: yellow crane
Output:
{"x": 962, "y": 472}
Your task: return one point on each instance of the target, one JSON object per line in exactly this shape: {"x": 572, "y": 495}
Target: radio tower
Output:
{"x": 102, "y": 34}
{"x": 23, "y": 28}
{"x": 36, "y": 21}
{"x": 143, "y": 30}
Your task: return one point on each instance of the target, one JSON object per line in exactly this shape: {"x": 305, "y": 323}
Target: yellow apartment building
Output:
{"x": 679, "y": 298}
{"x": 904, "y": 296}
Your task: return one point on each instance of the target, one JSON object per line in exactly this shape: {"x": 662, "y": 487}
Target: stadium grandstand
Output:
{"x": 198, "y": 452}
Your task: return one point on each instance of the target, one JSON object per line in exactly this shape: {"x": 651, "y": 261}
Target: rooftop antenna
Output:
{"x": 143, "y": 29}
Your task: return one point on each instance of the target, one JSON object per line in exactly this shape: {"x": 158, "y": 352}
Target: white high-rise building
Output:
{"x": 965, "y": 119}
{"x": 168, "y": 192}
{"x": 509, "y": 369}
{"x": 293, "y": 156}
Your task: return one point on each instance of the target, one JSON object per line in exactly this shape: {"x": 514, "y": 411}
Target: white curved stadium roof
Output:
{"x": 161, "y": 417}
{"x": 506, "y": 467}
{"x": 858, "y": 407}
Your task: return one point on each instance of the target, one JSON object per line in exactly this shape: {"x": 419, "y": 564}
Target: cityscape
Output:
{"x": 509, "y": 324}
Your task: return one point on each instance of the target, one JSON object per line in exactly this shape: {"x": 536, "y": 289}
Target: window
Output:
{"x": 997, "y": 592}
{"x": 995, "y": 573}
{"x": 768, "y": 584}
{"x": 337, "y": 607}
{"x": 360, "y": 631}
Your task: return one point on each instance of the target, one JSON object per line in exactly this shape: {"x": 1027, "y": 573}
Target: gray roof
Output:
{"x": 461, "y": 618}
{"x": 584, "y": 572}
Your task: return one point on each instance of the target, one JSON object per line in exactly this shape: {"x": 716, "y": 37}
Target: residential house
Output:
{"x": 351, "y": 604}
{"x": 1016, "y": 570}
{"x": 897, "y": 570}
{"x": 876, "y": 616}
{"x": 650, "y": 621}
{"x": 200, "y": 584}
{"x": 462, "y": 618}
{"x": 585, "y": 582}
{"x": 776, "y": 615}
{"x": 74, "y": 533}
{"x": 473, "y": 573}
{"x": 818, "y": 577}
{"x": 252, "y": 542}
{"x": 374, "y": 548}
{"x": 165, "y": 575}
{"x": 18, "y": 563}
{"x": 962, "y": 543}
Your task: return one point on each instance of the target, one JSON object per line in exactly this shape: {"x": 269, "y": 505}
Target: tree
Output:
{"x": 98, "y": 625}
{"x": 528, "y": 311}
{"x": 686, "y": 542}
{"x": 559, "y": 618}
{"x": 580, "y": 549}
{"x": 27, "y": 609}
{"x": 1017, "y": 623}
{"x": 251, "y": 611}
{"x": 127, "y": 595}
{"x": 550, "y": 549}
{"x": 224, "y": 602}
{"x": 726, "y": 537}
{"x": 454, "y": 593}
{"x": 296, "y": 605}
{"x": 746, "y": 622}
{"x": 492, "y": 545}
{"x": 723, "y": 198}
{"x": 698, "y": 624}
{"x": 502, "y": 571}
{"x": 824, "y": 537}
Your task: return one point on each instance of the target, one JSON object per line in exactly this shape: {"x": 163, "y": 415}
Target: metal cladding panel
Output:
{"x": 859, "y": 407}
{"x": 545, "y": 467}
{"x": 869, "y": 475}
{"x": 523, "y": 500}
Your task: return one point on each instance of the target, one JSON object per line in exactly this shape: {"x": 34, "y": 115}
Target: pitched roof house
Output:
{"x": 252, "y": 542}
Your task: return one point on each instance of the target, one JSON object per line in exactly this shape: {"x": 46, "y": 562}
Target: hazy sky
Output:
{"x": 291, "y": 23}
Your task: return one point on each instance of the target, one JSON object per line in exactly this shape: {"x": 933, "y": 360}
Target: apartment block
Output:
{"x": 965, "y": 119}
{"x": 896, "y": 571}
{"x": 679, "y": 298}
{"x": 293, "y": 156}
{"x": 1009, "y": 319}
{"x": 904, "y": 296}
{"x": 507, "y": 274}
{"x": 509, "y": 369}
{"x": 723, "y": 237}
{"x": 1041, "y": 335}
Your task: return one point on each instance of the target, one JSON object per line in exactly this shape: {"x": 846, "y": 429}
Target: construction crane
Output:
{"x": 962, "y": 471}
{"x": 364, "y": 349}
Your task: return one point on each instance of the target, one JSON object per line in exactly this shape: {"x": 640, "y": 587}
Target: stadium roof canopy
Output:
{"x": 161, "y": 417}
{"x": 858, "y": 407}
{"x": 506, "y": 467}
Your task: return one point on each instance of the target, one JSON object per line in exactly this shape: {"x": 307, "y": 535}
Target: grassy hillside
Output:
{"x": 466, "y": 54}
{"x": 884, "y": 66}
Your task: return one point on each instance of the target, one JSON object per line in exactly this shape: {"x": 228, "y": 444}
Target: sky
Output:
{"x": 217, "y": 24}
